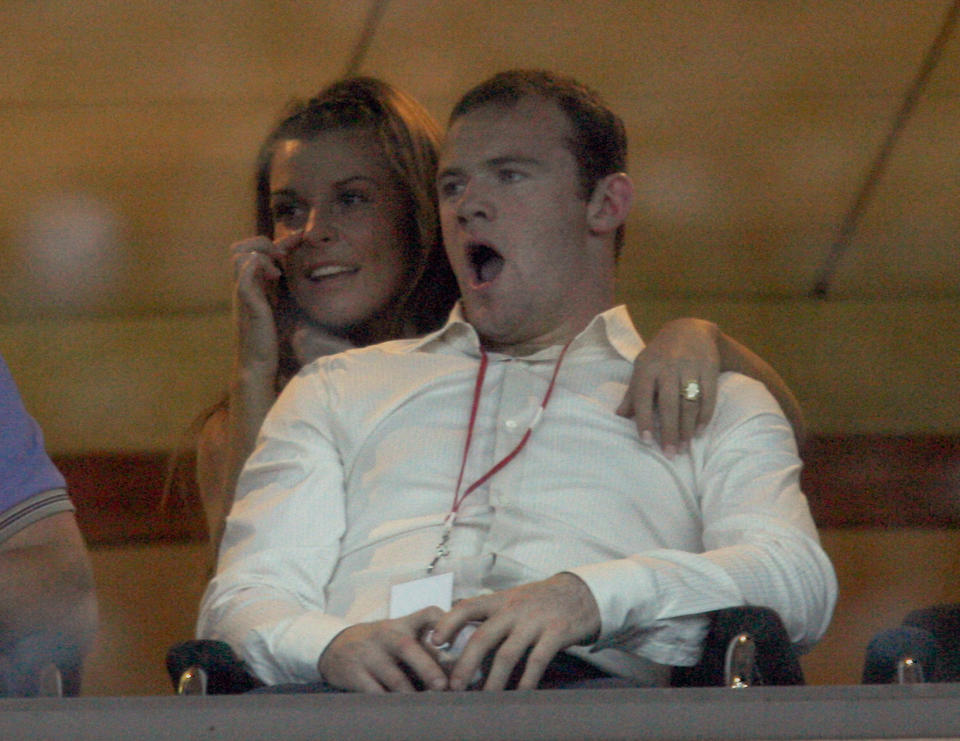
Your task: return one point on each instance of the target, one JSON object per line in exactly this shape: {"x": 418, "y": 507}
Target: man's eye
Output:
{"x": 510, "y": 176}
{"x": 352, "y": 197}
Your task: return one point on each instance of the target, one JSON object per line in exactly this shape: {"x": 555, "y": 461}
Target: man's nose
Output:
{"x": 474, "y": 203}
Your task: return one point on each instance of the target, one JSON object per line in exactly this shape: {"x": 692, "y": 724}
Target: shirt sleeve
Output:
{"x": 32, "y": 510}
{"x": 25, "y": 468}
{"x": 760, "y": 545}
{"x": 281, "y": 544}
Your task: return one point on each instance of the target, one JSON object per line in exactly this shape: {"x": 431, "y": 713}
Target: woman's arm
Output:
{"x": 225, "y": 442}
{"x": 740, "y": 359}
{"x": 687, "y": 350}
{"x": 228, "y": 436}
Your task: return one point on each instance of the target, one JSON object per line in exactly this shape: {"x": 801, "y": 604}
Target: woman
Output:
{"x": 350, "y": 254}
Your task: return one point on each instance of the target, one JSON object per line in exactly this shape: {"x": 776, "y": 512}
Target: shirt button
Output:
{"x": 511, "y": 424}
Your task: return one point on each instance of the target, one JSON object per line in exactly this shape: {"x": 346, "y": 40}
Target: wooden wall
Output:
{"x": 129, "y": 131}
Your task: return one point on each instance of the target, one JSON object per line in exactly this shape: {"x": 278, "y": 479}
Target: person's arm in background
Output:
{"x": 48, "y": 606}
{"x": 48, "y": 609}
{"x": 686, "y": 350}
{"x": 227, "y": 437}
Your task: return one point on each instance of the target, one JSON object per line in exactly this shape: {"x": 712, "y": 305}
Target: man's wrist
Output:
{"x": 590, "y": 607}
{"x": 325, "y": 651}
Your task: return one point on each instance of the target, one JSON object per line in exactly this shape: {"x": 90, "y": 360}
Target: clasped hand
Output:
{"x": 535, "y": 621}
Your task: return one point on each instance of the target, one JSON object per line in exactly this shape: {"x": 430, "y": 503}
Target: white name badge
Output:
{"x": 414, "y": 595}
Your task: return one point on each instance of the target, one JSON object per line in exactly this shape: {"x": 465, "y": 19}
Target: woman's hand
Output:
{"x": 256, "y": 272}
{"x": 683, "y": 351}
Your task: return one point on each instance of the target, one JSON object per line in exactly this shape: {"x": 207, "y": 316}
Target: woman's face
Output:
{"x": 338, "y": 190}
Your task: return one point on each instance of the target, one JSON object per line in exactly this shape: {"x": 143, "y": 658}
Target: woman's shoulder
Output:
{"x": 212, "y": 435}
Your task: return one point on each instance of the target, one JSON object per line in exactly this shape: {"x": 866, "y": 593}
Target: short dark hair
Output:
{"x": 599, "y": 140}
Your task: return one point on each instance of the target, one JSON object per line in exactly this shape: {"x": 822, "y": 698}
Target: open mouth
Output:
{"x": 330, "y": 271}
{"x": 485, "y": 261}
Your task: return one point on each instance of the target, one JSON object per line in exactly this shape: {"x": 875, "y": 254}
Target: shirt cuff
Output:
{"x": 31, "y": 510}
{"x": 606, "y": 582}
{"x": 629, "y": 601}
{"x": 295, "y": 647}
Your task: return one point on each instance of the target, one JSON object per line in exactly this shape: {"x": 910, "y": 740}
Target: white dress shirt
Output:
{"x": 355, "y": 470}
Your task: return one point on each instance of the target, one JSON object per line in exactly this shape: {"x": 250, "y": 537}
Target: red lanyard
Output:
{"x": 459, "y": 498}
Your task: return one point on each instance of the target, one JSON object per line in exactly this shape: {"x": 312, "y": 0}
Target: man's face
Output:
{"x": 515, "y": 225}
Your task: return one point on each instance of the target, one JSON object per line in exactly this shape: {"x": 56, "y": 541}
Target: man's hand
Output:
{"x": 683, "y": 350}
{"x": 543, "y": 618}
{"x": 372, "y": 657}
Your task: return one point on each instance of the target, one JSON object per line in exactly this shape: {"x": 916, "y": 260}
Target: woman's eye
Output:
{"x": 449, "y": 188}
{"x": 286, "y": 211}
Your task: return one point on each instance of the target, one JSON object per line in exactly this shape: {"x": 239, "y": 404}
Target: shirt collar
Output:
{"x": 612, "y": 328}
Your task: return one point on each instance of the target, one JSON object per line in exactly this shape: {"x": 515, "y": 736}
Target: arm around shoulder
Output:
{"x": 685, "y": 351}
{"x": 736, "y": 357}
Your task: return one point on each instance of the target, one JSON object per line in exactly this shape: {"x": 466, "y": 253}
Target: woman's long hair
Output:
{"x": 408, "y": 137}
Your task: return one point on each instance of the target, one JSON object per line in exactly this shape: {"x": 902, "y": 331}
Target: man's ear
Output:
{"x": 610, "y": 203}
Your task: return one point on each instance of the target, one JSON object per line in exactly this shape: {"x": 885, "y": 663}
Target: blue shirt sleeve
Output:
{"x": 25, "y": 467}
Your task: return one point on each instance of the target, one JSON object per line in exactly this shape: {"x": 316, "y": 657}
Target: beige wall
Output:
{"x": 134, "y": 383}
{"x": 883, "y": 575}
{"x": 148, "y": 601}
{"x": 128, "y": 139}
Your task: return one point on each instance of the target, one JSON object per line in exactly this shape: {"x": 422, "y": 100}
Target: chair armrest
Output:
{"x": 226, "y": 674}
{"x": 775, "y": 660}
{"x": 943, "y": 623}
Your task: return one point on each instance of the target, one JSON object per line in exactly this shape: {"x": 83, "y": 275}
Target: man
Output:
{"x": 489, "y": 455}
{"x": 48, "y": 610}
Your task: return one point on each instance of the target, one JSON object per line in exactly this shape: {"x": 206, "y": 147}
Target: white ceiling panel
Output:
{"x": 908, "y": 242}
